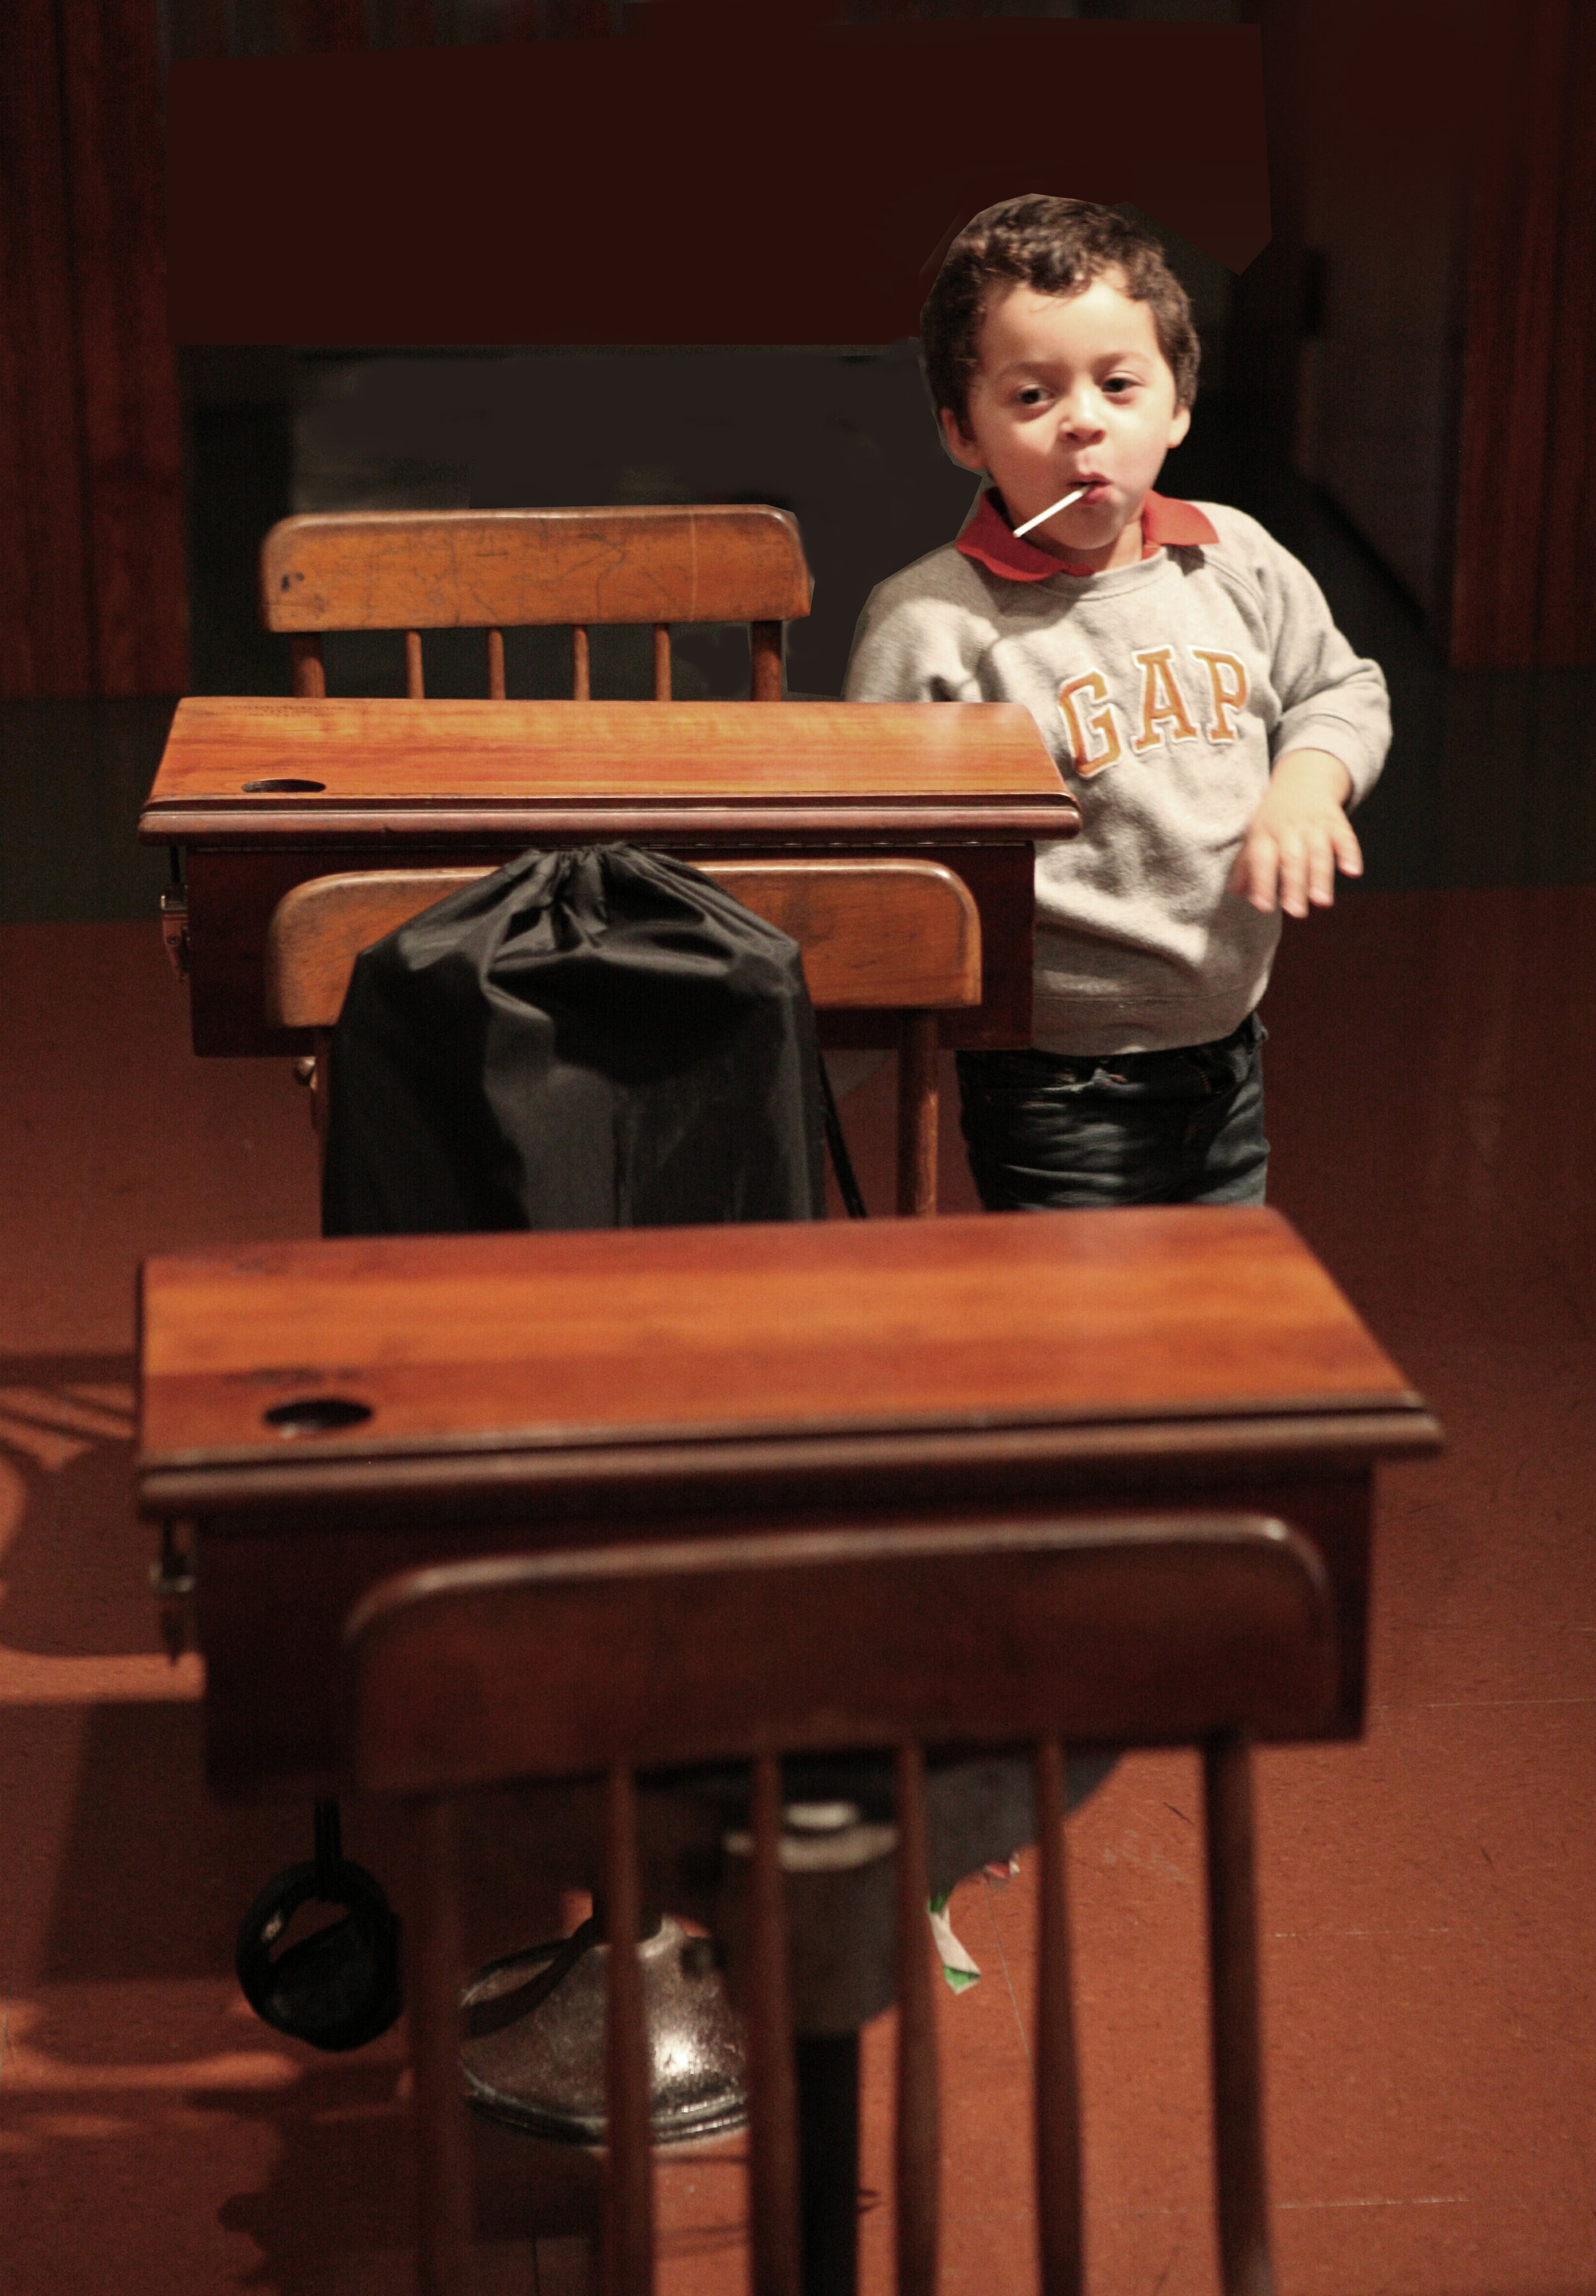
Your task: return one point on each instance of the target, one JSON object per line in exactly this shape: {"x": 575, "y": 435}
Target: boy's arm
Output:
{"x": 1327, "y": 748}
{"x": 911, "y": 647}
{"x": 1300, "y": 836}
{"x": 1331, "y": 699}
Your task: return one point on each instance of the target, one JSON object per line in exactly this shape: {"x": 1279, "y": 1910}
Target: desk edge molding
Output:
{"x": 386, "y": 822}
{"x": 1345, "y": 1443}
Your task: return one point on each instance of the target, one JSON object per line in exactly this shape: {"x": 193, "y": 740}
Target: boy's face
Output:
{"x": 1072, "y": 388}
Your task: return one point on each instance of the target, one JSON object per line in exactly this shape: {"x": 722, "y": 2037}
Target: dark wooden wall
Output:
{"x": 1524, "y": 586}
{"x": 91, "y": 595}
{"x": 93, "y": 587}
{"x": 92, "y": 598}
{"x": 92, "y": 577}
{"x": 1383, "y": 115}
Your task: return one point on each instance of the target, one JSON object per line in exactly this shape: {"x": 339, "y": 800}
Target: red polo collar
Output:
{"x": 990, "y": 540}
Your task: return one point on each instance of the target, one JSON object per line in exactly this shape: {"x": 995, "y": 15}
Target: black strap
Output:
{"x": 842, "y": 1163}
{"x": 329, "y": 1843}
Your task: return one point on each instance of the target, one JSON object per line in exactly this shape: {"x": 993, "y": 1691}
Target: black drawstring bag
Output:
{"x": 599, "y": 1038}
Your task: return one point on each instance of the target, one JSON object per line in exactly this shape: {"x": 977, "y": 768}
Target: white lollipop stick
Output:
{"x": 1063, "y": 502}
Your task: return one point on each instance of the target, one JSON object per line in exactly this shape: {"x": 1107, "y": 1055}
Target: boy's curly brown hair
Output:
{"x": 1057, "y": 247}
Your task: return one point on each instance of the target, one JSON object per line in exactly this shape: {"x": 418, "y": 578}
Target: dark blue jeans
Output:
{"x": 1049, "y": 1132}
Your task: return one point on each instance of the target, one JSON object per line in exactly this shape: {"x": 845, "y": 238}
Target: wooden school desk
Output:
{"x": 317, "y": 1416}
{"x": 260, "y": 795}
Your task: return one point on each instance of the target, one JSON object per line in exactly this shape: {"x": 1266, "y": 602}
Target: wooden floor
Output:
{"x": 1428, "y": 1897}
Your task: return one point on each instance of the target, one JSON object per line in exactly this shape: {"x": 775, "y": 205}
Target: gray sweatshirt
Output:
{"x": 1165, "y": 691}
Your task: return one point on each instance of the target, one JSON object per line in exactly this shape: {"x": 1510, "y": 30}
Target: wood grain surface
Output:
{"x": 446, "y": 570}
{"x": 466, "y": 782}
{"x": 536, "y": 1393}
{"x": 1140, "y": 1629}
{"x": 279, "y": 1575}
{"x": 563, "y": 1667}
{"x": 453, "y": 755}
{"x": 233, "y": 892}
{"x": 515, "y": 1343}
{"x": 878, "y": 934}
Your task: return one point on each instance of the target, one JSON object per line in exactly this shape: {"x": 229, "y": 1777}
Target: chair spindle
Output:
{"x": 764, "y": 653}
{"x": 496, "y": 665}
{"x": 629, "y": 2188}
{"x": 414, "y": 688}
{"x": 309, "y": 672}
{"x": 662, "y": 661}
{"x": 1058, "y": 2102}
{"x": 919, "y": 2137}
{"x": 918, "y": 1039}
{"x": 433, "y": 1958}
{"x": 772, "y": 2099}
{"x": 1242, "y": 2184}
{"x": 581, "y": 685}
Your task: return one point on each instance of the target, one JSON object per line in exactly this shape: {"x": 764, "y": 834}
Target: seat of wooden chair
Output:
{"x": 743, "y": 1645}
{"x": 641, "y": 563}
{"x": 898, "y": 935}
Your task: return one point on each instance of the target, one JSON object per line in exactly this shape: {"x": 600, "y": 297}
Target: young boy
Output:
{"x": 1206, "y": 713}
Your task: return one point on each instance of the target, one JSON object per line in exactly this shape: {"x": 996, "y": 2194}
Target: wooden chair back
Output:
{"x": 877, "y": 935}
{"x": 749, "y": 1646}
{"x": 495, "y": 569}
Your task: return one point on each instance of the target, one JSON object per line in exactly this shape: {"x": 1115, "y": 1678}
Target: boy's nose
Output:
{"x": 1081, "y": 418}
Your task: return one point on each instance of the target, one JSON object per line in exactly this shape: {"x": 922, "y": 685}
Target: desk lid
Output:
{"x": 330, "y": 1365}
{"x": 251, "y": 771}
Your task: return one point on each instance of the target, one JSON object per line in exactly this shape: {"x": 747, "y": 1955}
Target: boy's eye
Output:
{"x": 1031, "y": 394}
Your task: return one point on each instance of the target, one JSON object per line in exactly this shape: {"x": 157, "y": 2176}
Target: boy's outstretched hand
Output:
{"x": 1299, "y": 837}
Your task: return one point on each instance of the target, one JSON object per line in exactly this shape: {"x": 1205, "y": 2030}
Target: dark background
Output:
{"x": 1400, "y": 384}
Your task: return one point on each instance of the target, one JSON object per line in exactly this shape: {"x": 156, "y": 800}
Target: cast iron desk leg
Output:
{"x": 827, "y": 2103}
